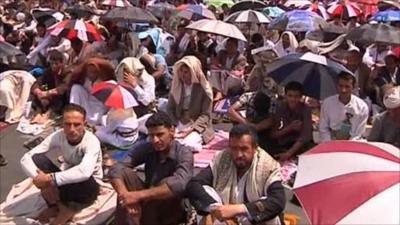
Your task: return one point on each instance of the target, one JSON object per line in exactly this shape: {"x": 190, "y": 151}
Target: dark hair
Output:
{"x": 257, "y": 37}
{"x": 74, "y": 108}
{"x": 346, "y": 76}
{"x": 240, "y": 130}
{"x": 76, "y": 42}
{"x": 294, "y": 86}
{"x": 160, "y": 119}
{"x": 262, "y": 103}
{"x": 233, "y": 40}
{"x": 56, "y": 56}
{"x": 41, "y": 25}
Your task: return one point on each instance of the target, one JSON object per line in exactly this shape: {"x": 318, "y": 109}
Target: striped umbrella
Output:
{"x": 387, "y": 16}
{"x": 344, "y": 9}
{"x": 47, "y": 16}
{"x": 247, "y": 16}
{"x": 273, "y": 11}
{"x": 317, "y": 73}
{"x": 348, "y": 182}
{"x": 245, "y": 5}
{"x": 195, "y": 12}
{"x": 319, "y": 8}
{"x": 116, "y": 3}
{"x": 217, "y": 27}
{"x": 298, "y": 21}
{"x": 73, "y": 29}
{"x": 114, "y": 95}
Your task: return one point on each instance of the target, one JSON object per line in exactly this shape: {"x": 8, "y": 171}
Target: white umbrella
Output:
{"x": 247, "y": 16}
{"x": 217, "y": 27}
{"x": 348, "y": 182}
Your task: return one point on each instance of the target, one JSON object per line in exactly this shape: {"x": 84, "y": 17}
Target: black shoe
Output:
{"x": 3, "y": 161}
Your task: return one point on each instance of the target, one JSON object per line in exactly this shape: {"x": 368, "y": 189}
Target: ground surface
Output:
{"x": 11, "y": 146}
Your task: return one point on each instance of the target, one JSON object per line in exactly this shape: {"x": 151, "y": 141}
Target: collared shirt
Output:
{"x": 175, "y": 170}
{"x": 334, "y": 113}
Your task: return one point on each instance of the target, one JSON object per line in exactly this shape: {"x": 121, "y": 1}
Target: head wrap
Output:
{"x": 391, "y": 99}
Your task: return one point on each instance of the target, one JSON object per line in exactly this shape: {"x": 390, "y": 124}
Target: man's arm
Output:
{"x": 27, "y": 164}
{"x": 268, "y": 208}
{"x": 376, "y": 131}
{"x": 235, "y": 115}
{"x": 146, "y": 95}
{"x": 196, "y": 193}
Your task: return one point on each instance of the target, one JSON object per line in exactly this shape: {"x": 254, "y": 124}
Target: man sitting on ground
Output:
{"x": 242, "y": 184}
{"x": 293, "y": 132}
{"x": 168, "y": 168}
{"x": 386, "y": 126}
{"x": 74, "y": 187}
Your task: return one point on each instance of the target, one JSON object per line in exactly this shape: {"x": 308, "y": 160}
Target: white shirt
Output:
{"x": 371, "y": 56}
{"x": 187, "y": 94}
{"x": 146, "y": 89}
{"x": 333, "y": 113}
{"x": 80, "y": 161}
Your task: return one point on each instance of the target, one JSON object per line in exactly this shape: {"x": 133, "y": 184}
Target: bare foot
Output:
{"x": 45, "y": 215}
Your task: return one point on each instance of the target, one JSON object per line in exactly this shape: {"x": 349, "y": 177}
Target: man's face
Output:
{"x": 345, "y": 87}
{"x": 56, "y": 66}
{"x": 395, "y": 115}
{"x": 184, "y": 75}
{"x": 161, "y": 137}
{"x": 353, "y": 59}
{"x": 231, "y": 46}
{"x": 242, "y": 151}
{"x": 41, "y": 31}
{"x": 293, "y": 98}
{"x": 74, "y": 126}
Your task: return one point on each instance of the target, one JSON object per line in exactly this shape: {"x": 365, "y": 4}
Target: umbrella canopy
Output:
{"x": 114, "y": 95}
{"x": 247, "y": 16}
{"x": 375, "y": 33}
{"x": 273, "y": 11}
{"x": 219, "y": 3}
{"x": 245, "y": 5}
{"x": 388, "y": 4}
{"x": 72, "y": 29}
{"x": 344, "y": 9}
{"x": 116, "y": 3}
{"x": 196, "y": 12}
{"x": 387, "y": 16}
{"x": 217, "y": 27}
{"x": 48, "y": 17}
{"x": 319, "y": 8}
{"x": 160, "y": 9}
{"x": 9, "y": 53}
{"x": 79, "y": 11}
{"x": 130, "y": 14}
{"x": 317, "y": 73}
{"x": 348, "y": 182}
{"x": 301, "y": 4}
{"x": 299, "y": 21}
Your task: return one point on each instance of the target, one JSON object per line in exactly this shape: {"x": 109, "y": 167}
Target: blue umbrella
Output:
{"x": 387, "y": 16}
{"x": 298, "y": 21}
{"x": 317, "y": 73}
{"x": 273, "y": 11}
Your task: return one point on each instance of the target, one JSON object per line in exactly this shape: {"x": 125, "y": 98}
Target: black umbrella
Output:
{"x": 79, "y": 11}
{"x": 47, "y": 16}
{"x": 375, "y": 33}
{"x": 160, "y": 9}
{"x": 245, "y": 5}
{"x": 130, "y": 14}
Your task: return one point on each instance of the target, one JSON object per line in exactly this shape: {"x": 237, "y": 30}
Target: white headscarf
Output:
{"x": 391, "y": 100}
{"x": 197, "y": 77}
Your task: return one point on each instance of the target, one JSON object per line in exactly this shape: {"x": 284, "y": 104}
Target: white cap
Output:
{"x": 20, "y": 16}
{"x": 391, "y": 100}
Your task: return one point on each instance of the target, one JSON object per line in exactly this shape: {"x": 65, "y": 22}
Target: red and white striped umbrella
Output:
{"x": 348, "y": 182}
{"x": 344, "y": 9}
{"x": 319, "y": 8}
{"x": 114, "y": 95}
{"x": 72, "y": 29}
{"x": 116, "y": 3}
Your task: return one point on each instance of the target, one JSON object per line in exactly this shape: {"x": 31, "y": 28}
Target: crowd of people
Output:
{"x": 179, "y": 79}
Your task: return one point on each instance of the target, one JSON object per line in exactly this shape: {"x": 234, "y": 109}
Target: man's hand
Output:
{"x": 282, "y": 157}
{"x": 130, "y": 79}
{"x": 226, "y": 212}
{"x": 41, "y": 94}
{"x": 42, "y": 180}
{"x": 129, "y": 198}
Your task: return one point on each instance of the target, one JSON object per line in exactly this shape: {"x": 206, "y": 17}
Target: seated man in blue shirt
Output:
{"x": 168, "y": 168}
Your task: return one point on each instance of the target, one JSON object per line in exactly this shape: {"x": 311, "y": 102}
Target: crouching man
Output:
{"x": 241, "y": 186}
{"x": 168, "y": 168}
{"x": 72, "y": 187}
